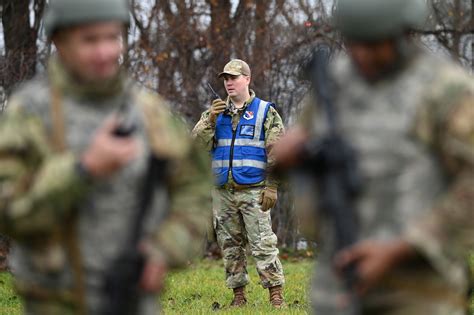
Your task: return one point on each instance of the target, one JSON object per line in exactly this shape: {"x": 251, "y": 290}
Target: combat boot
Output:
{"x": 276, "y": 296}
{"x": 239, "y": 297}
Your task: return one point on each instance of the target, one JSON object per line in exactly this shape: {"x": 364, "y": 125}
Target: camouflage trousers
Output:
{"x": 238, "y": 221}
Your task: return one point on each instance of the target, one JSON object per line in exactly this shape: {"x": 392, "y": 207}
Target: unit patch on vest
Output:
{"x": 247, "y": 130}
{"x": 248, "y": 115}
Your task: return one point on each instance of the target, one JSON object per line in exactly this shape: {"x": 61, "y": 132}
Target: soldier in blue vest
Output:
{"x": 240, "y": 132}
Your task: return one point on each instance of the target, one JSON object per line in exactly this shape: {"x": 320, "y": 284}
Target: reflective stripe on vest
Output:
{"x": 238, "y": 163}
{"x": 246, "y": 144}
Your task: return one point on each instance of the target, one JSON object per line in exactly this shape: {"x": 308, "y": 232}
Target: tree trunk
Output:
{"x": 20, "y": 42}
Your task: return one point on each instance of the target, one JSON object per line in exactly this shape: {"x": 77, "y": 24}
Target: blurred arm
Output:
{"x": 181, "y": 235}
{"x": 274, "y": 130}
{"x": 204, "y": 131}
{"x": 446, "y": 234}
{"x": 38, "y": 186}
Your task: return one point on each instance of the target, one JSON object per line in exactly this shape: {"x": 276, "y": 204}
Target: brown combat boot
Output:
{"x": 276, "y": 296}
{"x": 239, "y": 297}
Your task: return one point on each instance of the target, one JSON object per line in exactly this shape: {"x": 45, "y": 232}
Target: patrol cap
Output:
{"x": 372, "y": 20}
{"x": 64, "y": 13}
{"x": 236, "y": 67}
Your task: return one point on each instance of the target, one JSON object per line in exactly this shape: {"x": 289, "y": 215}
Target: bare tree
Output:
{"x": 20, "y": 35}
{"x": 452, "y": 26}
{"x": 21, "y": 21}
{"x": 178, "y": 46}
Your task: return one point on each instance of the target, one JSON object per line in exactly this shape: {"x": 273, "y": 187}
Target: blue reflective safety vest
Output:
{"x": 241, "y": 150}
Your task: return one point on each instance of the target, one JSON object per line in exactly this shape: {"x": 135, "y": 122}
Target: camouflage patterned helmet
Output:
{"x": 63, "y": 13}
{"x": 371, "y": 20}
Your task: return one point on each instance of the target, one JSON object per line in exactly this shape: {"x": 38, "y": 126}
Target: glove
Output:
{"x": 218, "y": 106}
{"x": 268, "y": 198}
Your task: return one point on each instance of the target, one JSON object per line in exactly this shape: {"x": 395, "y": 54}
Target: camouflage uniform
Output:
{"x": 238, "y": 218}
{"x": 67, "y": 226}
{"x": 414, "y": 133}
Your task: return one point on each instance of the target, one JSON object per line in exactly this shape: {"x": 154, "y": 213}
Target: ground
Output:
{"x": 200, "y": 289}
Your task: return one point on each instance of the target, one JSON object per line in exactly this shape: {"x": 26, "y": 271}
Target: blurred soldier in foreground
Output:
{"x": 410, "y": 118}
{"x": 75, "y": 149}
{"x": 240, "y": 133}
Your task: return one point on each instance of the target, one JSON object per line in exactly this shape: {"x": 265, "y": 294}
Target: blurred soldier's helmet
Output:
{"x": 372, "y": 20}
{"x": 64, "y": 13}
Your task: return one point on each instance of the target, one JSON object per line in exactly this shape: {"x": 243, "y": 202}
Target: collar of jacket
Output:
{"x": 246, "y": 104}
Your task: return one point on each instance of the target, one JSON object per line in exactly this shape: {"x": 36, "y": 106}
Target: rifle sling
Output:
{"x": 69, "y": 231}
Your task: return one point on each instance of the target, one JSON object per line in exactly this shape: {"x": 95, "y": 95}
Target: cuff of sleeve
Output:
{"x": 60, "y": 183}
{"x": 60, "y": 175}
{"x": 272, "y": 183}
{"x": 432, "y": 250}
{"x": 82, "y": 172}
{"x": 209, "y": 124}
{"x": 54, "y": 193}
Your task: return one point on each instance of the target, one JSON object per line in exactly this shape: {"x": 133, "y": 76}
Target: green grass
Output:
{"x": 195, "y": 290}
{"x": 10, "y": 303}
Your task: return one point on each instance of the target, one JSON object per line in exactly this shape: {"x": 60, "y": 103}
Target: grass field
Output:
{"x": 200, "y": 290}
{"x": 9, "y": 302}
{"x": 196, "y": 290}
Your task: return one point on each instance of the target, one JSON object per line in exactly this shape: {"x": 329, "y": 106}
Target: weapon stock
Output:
{"x": 123, "y": 275}
{"x": 334, "y": 165}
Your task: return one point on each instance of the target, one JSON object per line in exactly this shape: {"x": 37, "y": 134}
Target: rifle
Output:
{"x": 333, "y": 163}
{"x": 125, "y": 128}
{"x": 121, "y": 285}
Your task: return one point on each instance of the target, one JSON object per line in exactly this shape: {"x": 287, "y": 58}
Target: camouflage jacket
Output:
{"x": 414, "y": 134}
{"x": 204, "y": 131}
{"x": 42, "y": 189}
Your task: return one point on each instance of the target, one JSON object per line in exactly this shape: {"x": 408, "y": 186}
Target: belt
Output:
{"x": 237, "y": 187}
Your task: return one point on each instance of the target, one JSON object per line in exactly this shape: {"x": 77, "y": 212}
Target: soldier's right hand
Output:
{"x": 374, "y": 260}
{"x": 218, "y": 106}
{"x": 108, "y": 153}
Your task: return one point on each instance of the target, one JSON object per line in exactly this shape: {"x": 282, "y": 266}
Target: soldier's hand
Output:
{"x": 373, "y": 260}
{"x": 268, "y": 198}
{"x": 107, "y": 153}
{"x": 288, "y": 149}
{"x": 218, "y": 106}
{"x": 153, "y": 276}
